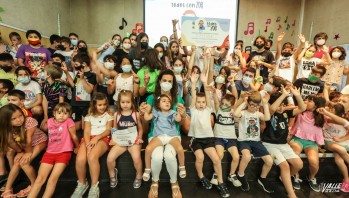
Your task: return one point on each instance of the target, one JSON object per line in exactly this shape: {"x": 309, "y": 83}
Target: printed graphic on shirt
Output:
{"x": 137, "y": 64}
{"x": 285, "y": 63}
{"x": 308, "y": 65}
{"x": 309, "y": 89}
{"x": 55, "y": 133}
{"x": 126, "y": 123}
{"x": 252, "y": 124}
{"x": 276, "y": 124}
{"x": 36, "y": 61}
{"x": 81, "y": 94}
{"x": 222, "y": 120}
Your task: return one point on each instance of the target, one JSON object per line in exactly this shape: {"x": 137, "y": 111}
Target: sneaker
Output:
{"x": 214, "y": 179}
{"x": 80, "y": 190}
{"x": 223, "y": 190}
{"x": 265, "y": 185}
{"x": 206, "y": 183}
{"x": 345, "y": 187}
{"x": 94, "y": 191}
{"x": 296, "y": 183}
{"x": 3, "y": 178}
{"x": 314, "y": 185}
{"x": 244, "y": 184}
{"x": 233, "y": 179}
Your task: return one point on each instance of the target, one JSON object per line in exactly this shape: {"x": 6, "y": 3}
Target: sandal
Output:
{"x": 146, "y": 174}
{"x": 114, "y": 179}
{"x": 25, "y": 192}
{"x": 153, "y": 193}
{"x": 176, "y": 193}
{"x": 8, "y": 194}
{"x": 137, "y": 183}
{"x": 182, "y": 172}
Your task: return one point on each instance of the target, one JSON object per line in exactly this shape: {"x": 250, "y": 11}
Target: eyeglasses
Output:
{"x": 253, "y": 105}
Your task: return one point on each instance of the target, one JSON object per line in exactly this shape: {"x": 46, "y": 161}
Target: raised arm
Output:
{"x": 211, "y": 66}
{"x": 266, "y": 115}
{"x": 174, "y": 23}
{"x": 203, "y": 78}
{"x": 191, "y": 60}
{"x": 278, "y": 102}
{"x": 299, "y": 48}
{"x": 193, "y": 79}
{"x": 335, "y": 118}
{"x": 279, "y": 47}
{"x": 301, "y": 105}
{"x": 234, "y": 91}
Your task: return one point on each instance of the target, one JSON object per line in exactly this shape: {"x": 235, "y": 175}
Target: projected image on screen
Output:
{"x": 159, "y": 15}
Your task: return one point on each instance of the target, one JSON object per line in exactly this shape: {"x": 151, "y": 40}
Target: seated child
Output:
{"x": 17, "y": 97}
{"x": 5, "y": 86}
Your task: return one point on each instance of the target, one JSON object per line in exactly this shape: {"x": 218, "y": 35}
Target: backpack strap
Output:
{"x": 118, "y": 116}
{"x": 134, "y": 116}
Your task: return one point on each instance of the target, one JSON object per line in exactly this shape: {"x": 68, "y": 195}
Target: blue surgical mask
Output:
{"x": 24, "y": 80}
{"x": 126, "y": 68}
{"x": 74, "y": 42}
{"x": 164, "y": 44}
{"x": 247, "y": 80}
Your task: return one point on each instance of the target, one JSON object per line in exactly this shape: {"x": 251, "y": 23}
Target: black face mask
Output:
{"x": 83, "y": 49}
{"x": 260, "y": 46}
{"x": 6, "y": 68}
{"x": 267, "y": 48}
{"x": 61, "y": 47}
{"x": 57, "y": 63}
{"x": 286, "y": 54}
{"x": 78, "y": 68}
{"x": 144, "y": 45}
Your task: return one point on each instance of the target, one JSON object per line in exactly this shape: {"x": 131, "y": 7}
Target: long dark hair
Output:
{"x": 170, "y": 55}
{"x": 162, "y": 59}
{"x": 174, "y": 89}
{"x": 92, "y": 111}
{"x": 151, "y": 60}
{"x": 81, "y": 51}
{"x": 319, "y": 102}
{"x": 138, "y": 50}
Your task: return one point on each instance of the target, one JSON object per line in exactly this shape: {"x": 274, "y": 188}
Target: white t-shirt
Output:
{"x": 305, "y": 66}
{"x": 285, "y": 67}
{"x": 249, "y": 126}
{"x": 225, "y": 125}
{"x": 122, "y": 83}
{"x": 99, "y": 123}
{"x": 200, "y": 123}
{"x": 30, "y": 90}
{"x": 332, "y": 130}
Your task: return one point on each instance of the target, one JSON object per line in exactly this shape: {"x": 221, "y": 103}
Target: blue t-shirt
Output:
{"x": 150, "y": 101}
{"x": 164, "y": 123}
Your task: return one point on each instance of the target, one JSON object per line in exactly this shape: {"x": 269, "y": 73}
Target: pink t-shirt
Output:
{"x": 59, "y": 137}
{"x": 305, "y": 129}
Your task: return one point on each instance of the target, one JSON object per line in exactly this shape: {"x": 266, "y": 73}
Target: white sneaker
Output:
{"x": 233, "y": 179}
{"x": 214, "y": 179}
{"x": 80, "y": 190}
{"x": 94, "y": 191}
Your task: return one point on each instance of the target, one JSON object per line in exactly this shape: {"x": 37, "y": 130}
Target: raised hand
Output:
{"x": 307, "y": 45}
{"x": 174, "y": 22}
{"x": 146, "y": 77}
{"x": 301, "y": 38}
{"x": 284, "y": 90}
{"x": 321, "y": 110}
{"x": 327, "y": 85}
{"x": 64, "y": 66}
{"x": 135, "y": 78}
{"x": 193, "y": 48}
{"x": 203, "y": 78}
{"x": 326, "y": 49}
{"x": 281, "y": 36}
{"x": 295, "y": 91}
{"x": 266, "y": 98}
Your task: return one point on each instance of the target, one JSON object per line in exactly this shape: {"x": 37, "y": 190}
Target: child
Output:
{"x": 95, "y": 143}
{"x": 62, "y": 138}
{"x": 54, "y": 91}
{"x": 64, "y": 49}
{"x": 164, "y": 132}
{"x": 337, "y": 140}
{"x": 16, "y": 41}
{"x": 17, "y": 97}
{"x": 21, "y": 134}
{"x": 7, "y": 68}
{"x": 179, "y": 70}
{"x": 201, "y": 131}
{"x": 5, "y": 86}
{"x": 125, "y": 117}
{"x": 275, "y": 136}
{"x": 249, "y": 141}
{"x": 32, "y": 90}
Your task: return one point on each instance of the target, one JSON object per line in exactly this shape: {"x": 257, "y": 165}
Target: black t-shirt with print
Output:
{"x": 265, "y": 56}
{"x": 276, "y": 130}
{"x": 308, "y": 88}
{"x": 76, "y": 91}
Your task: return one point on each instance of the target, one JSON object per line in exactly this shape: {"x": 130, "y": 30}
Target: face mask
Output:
{"x": 127, "y": 46}
{"x": 268, "y": 87}
{"x": 164, "y": 44}
{"x": 34, "y": 41}
{"x": 116, "y": 42}
{"x": 6, "y": 68}
{"x": 246, "y": 80}
{"x": 178, "y": 70}
{"x": 286, "y": 54}
{"x": 24, "y": 80}
{"x": 41, "y": 76}
{"x": 336, "y": 54}
{"x": 320, "y": 42}
{"x": 126, "y": 68}
{"x": 225, "y": 108}
{"x": 83, "y": 49}
{"x": 267, "y": 48}
{"x": 219, "y": 79}
{"x": 160, "y": 55}
{"x": 236, "y": 51}
{"x": 313, "y": 78}
{"x": 260, "y": 46}
{"x": 144, "y": 45}
{"x": 74, "y": 42}
{"x": 109, "y": 65}
{"x": 166, "y": 86}
{"x": 78, "y": 68}
{"x": 309, "y": 54}
{"x": 61, "y": 47}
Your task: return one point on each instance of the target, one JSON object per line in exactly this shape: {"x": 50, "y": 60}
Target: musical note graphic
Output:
{"x": 250, "y": 28}
{"x": 266, "y": 29}
{"x": 288, "y": 27}
{"x": 279, "y": 27}
{"x": 286, "y": 19}
{"x": 294, "y": 23}
{"x": 278, "y": 19}
{"x": 268, "y": 21}
{"x": 271, "y": 36}
{"x": 124, "y": 23}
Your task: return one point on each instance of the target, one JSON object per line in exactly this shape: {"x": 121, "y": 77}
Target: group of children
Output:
{"x": 238, "y": 103}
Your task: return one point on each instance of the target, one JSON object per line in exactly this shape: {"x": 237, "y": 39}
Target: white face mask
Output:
{"x": 160, "y": 55}
{"x": 109, "y": 65}
{"x": 116, "y": 42}
{"x": 127, "y": 46}
{"x": 336, "y": 54}
{"x": 268, "y": 87}
{"x": 219, "y": 79}
{"x": 166, "y": 86}
{"x": 164, "y": 44}
{"x": 177, "y": 70}
{"x": 320, "y": 42}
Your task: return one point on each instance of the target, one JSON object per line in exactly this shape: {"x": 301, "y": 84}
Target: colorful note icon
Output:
{"x": 268, "y": 21}
{"x": 278, "y": 19}
{"x": 266, "y": 29}
{"x": 250, "y": 28}
{"x": 271, "y": 36}
{"x": 294, "y": 23}
{"x": 286, "y": 19}
{"x": 279, "y": 27}
{"x": 288, "y": 27}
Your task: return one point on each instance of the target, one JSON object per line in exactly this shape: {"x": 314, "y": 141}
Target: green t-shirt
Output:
{"x": 150, "y": 101}
{"x": 152, "y": 81}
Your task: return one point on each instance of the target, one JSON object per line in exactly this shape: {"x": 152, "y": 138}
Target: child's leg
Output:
{"x": 235, "y": 159}
{"x": 297, "y": 148}
{"x": 155, "y": 142}
{"x": 220, "y": 151}
{"x": 336, "y": 148}
{"x": 211, "y": 152}
{"x": 13, "y": 174}
{"x": 286, "y": 178}
{"x": 268, "y": 163}
{"x": 93, "y": 160}
{"x": 296, "y": 164}
{"x": 199, "y": 161}
{"x": 52, "y": 181}
{"x": 80, "y": 163}
{"x": 176, "y": 143}
{"x": 135, "y": 152}
{"x": 2, "y": 164}
{"x": 43, "y": 173}
{"x": 27, "y": 167}
{"x": 312, "y": 154}
{"x": 245, "y": 159}
{"x": 114, "y": 153}
{"x": 10, "y": 155}
{"x": 342, "y": 166}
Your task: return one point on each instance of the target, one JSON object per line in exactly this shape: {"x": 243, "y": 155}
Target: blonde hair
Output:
{"x": 129, "y": 94}
{"x": 54, "y": 71}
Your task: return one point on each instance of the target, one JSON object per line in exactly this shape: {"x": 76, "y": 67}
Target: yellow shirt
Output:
{"x": 10, "y": 76}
